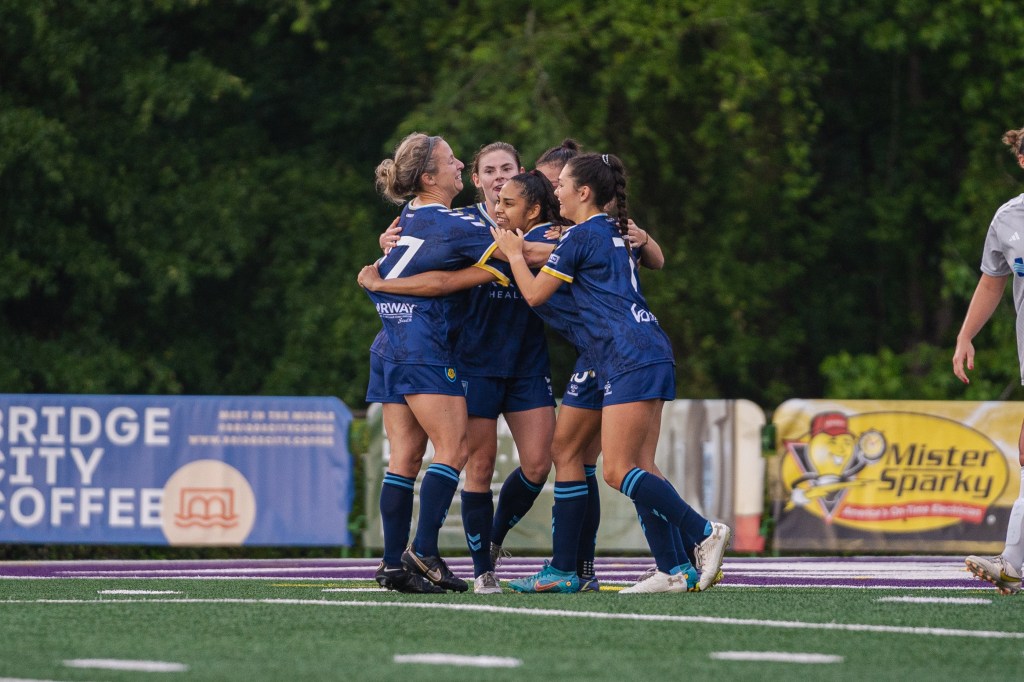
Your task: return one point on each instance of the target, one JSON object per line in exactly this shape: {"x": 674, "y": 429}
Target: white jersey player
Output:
{"x": 1002, "y": 259}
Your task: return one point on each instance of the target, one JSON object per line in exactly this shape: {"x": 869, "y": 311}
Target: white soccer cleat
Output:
{"x": 486, "y": 583}
{"x": 710, "y": 554}
{"x": 663, "y": 582}
{"x": 996, "y": 571}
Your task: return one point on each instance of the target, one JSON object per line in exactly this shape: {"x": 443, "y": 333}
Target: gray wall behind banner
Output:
{"x": 709, "y": 449}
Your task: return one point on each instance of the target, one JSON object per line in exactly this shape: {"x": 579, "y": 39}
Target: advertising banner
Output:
{"x": 709, "y": 449}
{"x": 174, "y": 470}
{"x": 930, "y": 476}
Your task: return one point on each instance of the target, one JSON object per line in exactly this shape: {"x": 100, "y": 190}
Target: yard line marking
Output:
{"x": 137, "y": 592}
{"x": 354, "y": 589}
{"x": 122, "y": 664}
{"x": 936, "y": 600}
{"x": 597, "y": 615}
{"x": 774, "y": 656}
{"x": 453, "y": 659}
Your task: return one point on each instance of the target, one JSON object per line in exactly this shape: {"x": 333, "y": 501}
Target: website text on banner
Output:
{"x": 178, "y": 470}
{"x": 920, "y": 476}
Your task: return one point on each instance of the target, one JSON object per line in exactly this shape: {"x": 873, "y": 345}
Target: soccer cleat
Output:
{"x": 684, "y": 581}
{"x": 497, "y": 554}
{"x": 996, "y": 571}
{"x": 589, "y": 583}
{"x": 486, "y": 583}
{"x": 401, "y": 579}
{"x": 647, "y": 574}
{"x": 710, "y": 554}
{"x": 434, "y": 569}
{"x": 714, "y": 581}
{"x": 548, "y": 579}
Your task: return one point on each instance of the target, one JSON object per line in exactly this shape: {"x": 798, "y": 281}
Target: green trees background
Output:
{"x": 186, "y": 186}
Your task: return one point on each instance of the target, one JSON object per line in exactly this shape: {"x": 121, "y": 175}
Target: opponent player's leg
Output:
{"x": 444, "y": 419}
{"x": 1004, "y": 571}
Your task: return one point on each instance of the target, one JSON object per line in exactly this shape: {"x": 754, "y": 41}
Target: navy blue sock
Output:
{"x": 477, "y": 510}
{"x": 683, "y": 542}
{"x": 517, "y": 496}
{"x": 436, "y": 493}
{"x": 566, "y": 522}
{"x": 396, "y": 515}
{"x": 659, "y": 533}
{"x": 662, "y": 498}
{"x": 591, "y": 522}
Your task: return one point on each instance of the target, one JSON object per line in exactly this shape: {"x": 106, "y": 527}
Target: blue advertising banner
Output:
{"x": 174, "y": 470}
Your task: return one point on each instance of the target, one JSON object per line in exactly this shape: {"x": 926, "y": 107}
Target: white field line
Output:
{"x": 122, "y": 664}
{"x": 137, "y": 592}
{"x": 936, "y": 600}
{"x": 457, "y": 660}
{"x": 596, "y": 615}
{"x": 774, "y": 657}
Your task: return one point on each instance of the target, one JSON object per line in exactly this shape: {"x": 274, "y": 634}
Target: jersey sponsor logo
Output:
{"x": 608, "y": 388}
{"x": 1015, "y": 237}
{"x": 498, "y": 291}
{"x": 397, "y": 312}
{"x": 573, "y": 390}
{"x": 1018, "y": 266}
{"x": 641, "y": 315}
{"x": 553, "y": 259}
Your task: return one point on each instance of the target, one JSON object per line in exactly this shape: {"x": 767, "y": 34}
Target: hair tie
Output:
{"x": 604, "y": 157}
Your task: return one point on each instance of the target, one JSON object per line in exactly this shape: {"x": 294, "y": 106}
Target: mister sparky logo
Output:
{"x": 892, "y": 471}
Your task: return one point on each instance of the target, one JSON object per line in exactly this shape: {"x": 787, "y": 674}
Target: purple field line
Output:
{"x": 930, "y": 572}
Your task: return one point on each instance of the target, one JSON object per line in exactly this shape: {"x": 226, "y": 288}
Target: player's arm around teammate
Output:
{"x": 411, "y": 362}
{"x": 594, "y": 260}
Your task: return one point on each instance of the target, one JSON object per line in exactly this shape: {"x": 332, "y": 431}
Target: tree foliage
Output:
{"x": 186, "y": 187}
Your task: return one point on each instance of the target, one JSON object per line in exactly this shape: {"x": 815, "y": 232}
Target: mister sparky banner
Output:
{"x": 894, "y": 475}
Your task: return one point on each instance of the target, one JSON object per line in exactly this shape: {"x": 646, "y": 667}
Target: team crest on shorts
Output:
{"x": 450, "y": 373}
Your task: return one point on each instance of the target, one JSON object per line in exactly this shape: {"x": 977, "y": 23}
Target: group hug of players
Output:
{"x": 463, "y": 295}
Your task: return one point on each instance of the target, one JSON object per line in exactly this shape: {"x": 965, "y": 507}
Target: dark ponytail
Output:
{"x": 605, "y": 175}
{"x": 536, "y": 189}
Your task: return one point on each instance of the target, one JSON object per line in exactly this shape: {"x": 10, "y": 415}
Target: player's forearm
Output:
{"x": 984, "y": 302}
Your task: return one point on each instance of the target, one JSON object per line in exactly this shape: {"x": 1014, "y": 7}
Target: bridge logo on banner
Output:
{"x": 896, "y": 472}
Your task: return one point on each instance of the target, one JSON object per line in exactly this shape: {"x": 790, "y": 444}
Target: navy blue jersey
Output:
{"x": 615, "y": 322}
{"x": 419, "y": 329}
{"x": 501, "y": 337}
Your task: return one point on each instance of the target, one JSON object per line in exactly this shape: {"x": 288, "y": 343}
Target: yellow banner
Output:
{"x": 892, "y": 475}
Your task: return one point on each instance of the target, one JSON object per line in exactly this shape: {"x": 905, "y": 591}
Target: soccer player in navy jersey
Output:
{"x": 634, "y": 364}
{"x": 504, "y": 352}
{"x": 412, "y": 365}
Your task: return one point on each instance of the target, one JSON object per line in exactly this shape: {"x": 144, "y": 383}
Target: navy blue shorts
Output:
{"x": 583, "y": 391}
{"x": 652, "y": 382}
{"x": 488, "y": 397}
{"x": 390, "y": 381}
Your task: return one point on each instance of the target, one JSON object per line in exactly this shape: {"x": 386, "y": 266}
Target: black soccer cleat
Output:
{"x": 434, "y": 569}
{"x": 402, "y": 579}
